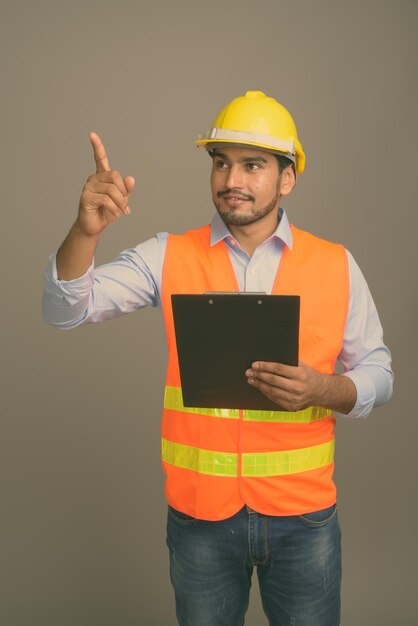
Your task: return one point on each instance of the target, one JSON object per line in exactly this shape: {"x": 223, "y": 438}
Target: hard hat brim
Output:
{"x": 298, "y": 158}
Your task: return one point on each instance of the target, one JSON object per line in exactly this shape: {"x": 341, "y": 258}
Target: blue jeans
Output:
{"x": 298, "y": 562}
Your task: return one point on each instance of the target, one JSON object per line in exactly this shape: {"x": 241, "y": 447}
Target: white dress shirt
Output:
{"x": 133, "y": 281}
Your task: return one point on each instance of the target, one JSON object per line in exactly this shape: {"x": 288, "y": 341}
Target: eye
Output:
{"x": 253, "y": 166}
{"x": 221, "y": 165}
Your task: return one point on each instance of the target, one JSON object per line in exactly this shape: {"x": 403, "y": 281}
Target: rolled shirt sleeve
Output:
{"x": 364, "y": 356}
{"x": 128, "y": 283}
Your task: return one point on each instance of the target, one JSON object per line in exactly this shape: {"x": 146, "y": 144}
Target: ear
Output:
{"x": 287, "y": 180}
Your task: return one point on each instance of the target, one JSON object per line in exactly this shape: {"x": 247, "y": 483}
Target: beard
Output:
{"x": 234, "y": 218}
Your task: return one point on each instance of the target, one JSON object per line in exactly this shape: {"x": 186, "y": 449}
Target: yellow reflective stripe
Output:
{"x": 257, "y": 464}
{"x": 288, "y": 461}
{"x": 306, "y": 416}
{"x": 199, "y": 460}
{"x": 173, "y": 399}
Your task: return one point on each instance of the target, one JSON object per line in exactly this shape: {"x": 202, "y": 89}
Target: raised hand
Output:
{"x": 103, "y": 200}
{"x": 105, "y": 195}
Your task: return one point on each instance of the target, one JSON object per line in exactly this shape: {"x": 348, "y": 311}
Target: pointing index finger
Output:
{"x": 100, "y": 156}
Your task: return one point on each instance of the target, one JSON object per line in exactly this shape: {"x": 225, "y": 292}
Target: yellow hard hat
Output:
{"x": 259, "y": 121}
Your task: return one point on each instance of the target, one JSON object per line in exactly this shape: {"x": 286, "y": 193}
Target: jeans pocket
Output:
{"x": 178, "y": 516}
{"x": 319, "y": 518}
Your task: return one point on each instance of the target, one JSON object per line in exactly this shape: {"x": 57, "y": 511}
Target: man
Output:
{"x": 275, "y": 507}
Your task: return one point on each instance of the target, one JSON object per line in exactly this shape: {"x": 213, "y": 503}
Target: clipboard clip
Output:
{"x": 234, "y": 293}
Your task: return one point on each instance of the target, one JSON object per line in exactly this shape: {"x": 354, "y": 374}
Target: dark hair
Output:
{"x": 283, "y": 162}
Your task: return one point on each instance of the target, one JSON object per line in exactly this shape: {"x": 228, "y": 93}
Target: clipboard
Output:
{"x": 219, "y": 336}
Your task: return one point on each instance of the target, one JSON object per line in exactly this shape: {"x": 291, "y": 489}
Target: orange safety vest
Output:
{"x": 276, "y": 462}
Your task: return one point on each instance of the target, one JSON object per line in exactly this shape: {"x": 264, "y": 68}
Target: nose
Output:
{"x": 235, "y": 178}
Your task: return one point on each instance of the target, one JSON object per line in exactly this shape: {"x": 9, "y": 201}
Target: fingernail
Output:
{"x": 128, "y": 210}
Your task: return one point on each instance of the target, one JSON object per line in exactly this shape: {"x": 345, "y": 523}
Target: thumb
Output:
{"x": 129, "y": 183}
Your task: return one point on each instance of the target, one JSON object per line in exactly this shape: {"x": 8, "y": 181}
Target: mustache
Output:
{"x": 235, "y": 192}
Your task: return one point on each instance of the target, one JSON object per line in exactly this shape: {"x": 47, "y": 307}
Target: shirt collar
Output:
{"x": 219, "y": 230}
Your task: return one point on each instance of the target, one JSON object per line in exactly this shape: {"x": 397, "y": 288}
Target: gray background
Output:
{"x": 83, "y": 513}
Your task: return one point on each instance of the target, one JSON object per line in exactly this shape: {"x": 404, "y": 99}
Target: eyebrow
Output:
{"x": 243, "y": 159}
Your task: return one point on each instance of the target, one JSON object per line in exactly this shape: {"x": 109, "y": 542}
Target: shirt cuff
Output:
{"x": 65, "y": 302}
{"x": 366, "y": 393}
{"x": 70, "y": 292}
